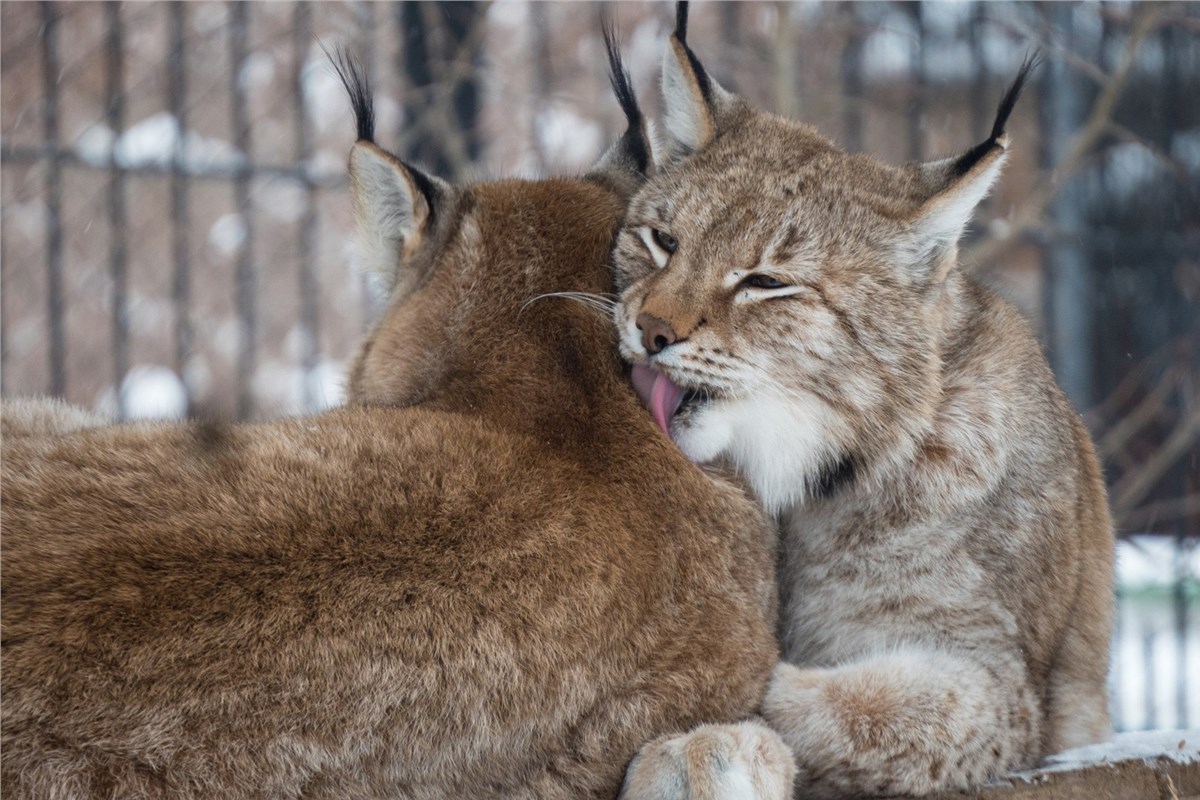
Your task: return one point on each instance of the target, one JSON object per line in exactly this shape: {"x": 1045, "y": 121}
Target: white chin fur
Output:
{"x": 707, "y": 435}
{"x": 777, "y": 445}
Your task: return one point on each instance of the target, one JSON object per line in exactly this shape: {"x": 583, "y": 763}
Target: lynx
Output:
{"x": 487, "y": 576}
{"x": 798, "y": 314}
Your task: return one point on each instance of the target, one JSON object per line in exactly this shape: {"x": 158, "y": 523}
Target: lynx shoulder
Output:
{"x": 799, "y": 314}
{"x": 487, "y": 576}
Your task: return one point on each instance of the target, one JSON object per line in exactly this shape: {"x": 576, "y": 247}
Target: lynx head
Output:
{"x": 781, "y": 300}
{"x": 461, "y": 264}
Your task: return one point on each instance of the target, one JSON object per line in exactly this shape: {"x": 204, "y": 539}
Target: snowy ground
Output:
{"x": 1155, "y": 678}
{"x": 1182, "y": 746}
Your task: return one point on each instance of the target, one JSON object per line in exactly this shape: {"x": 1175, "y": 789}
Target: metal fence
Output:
{"x": 174, "y": 210}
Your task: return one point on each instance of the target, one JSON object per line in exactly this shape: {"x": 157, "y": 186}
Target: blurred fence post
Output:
{"x": 114, "y": 90}
{"x": 919, "y": 81}
{"x": 1068, "y": 294}
{"x": 54, "y": 253}
{"x": 246, "y": 284}
{"x": 307, "y": 278}
{"x": 852, "y": 80}
{"x": 181, "y": 282}
{"x": 440, "y": 49}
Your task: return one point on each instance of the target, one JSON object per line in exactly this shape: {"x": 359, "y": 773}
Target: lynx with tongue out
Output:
{"x": 660, "y": 394}
{"x": 946, "y": 549}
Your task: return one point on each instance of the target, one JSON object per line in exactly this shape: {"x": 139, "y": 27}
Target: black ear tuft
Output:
{"x": 963, "y": 163}
{"x": 358, "y": 86}
{"x": 1032, "y": 61}
{"x": 681, "y": 19}
{"x": 634, "y": 136}
{"x": 681, "y": 24}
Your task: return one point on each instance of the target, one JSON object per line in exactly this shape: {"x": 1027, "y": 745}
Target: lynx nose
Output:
{"x": 656, "y": 333}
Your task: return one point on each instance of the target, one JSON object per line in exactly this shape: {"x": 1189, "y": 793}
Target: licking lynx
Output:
{"x": 488, "y": 576}
{"x": 798, "y": 314}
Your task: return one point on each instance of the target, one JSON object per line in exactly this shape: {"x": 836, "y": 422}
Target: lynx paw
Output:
{"x": 746, "y": 761}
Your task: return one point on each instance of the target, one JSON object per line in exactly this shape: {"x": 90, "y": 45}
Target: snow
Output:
{"x": 30, "y": 218}
{"x": 1185, "y": 146}
{"x": 1151, "y": 58}
{"x": 227, "y": 234}
{"x": 324, "y": 96}
{"x": 946, "y": 19}
{"x": 567, "y": 138}
{"x": 328, "y": 384}
{"x": 150, "y": 391}
{"x": 768, "y": 20}
{"x": 887, "y": 53}
{"x": 153, "y": 142}
{"x": 94, "y": 143}
{"x": 208, "y": 18}
{"x": 258, "y": 69}
{"x": 1151, "y": 661}
{"x": 284, "y": 200}
{"x": 642, "y": 51}
{"x": 24, "y": 337}
{"x": 197, "y": 374}
{"x": 281, "y": 386}
{"x": 509, "y": 14}
{"x": 950, "y": 60}
{"x": 1150, "y": 561}
{"x": 1130, "y": 168}
{"x": 297, "y": 342}
{"x": 329, "y": 164}
{"x": 389, "y": 117}
{"x": 226, "y": 338}
{"x": 1182, "y": 746}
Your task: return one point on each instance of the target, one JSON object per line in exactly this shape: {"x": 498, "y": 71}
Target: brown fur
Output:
{"x": 488, "y": 576}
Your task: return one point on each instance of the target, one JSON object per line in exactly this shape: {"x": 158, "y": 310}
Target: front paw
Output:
{"x": 789, "y": 702}
{"x": 745, "y": 761}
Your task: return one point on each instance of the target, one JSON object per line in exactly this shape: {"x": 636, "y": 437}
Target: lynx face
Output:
{"x": 779, "y": 298}
{"x": 787, "y": 309}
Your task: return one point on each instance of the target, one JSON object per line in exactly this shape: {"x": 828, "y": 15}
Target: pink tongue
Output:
{"x": 660, "y": 394}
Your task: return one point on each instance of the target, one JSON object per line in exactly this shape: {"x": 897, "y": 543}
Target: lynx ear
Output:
{"x": 394, "y": 203}
{"x": 394, "y": 206}
{"x": 692, "y": 101}
{"x": 956, "y": 186}
{"x": 625, "y": 164}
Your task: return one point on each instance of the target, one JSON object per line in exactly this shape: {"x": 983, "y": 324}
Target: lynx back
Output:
{"x": 487, "y": 576}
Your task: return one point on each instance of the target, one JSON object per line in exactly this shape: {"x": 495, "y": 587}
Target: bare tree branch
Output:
{"x": 1146, "y": 21}
{"x": 1133, "y": 488}
{"x": 1131, "y": 423}
{"x": 1176, "y": 508}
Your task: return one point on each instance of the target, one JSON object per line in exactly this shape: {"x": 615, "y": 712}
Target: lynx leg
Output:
{"x": 905, "y": 723}
{"x": 746, "y": 761}
{"x": 1077, "y": 702}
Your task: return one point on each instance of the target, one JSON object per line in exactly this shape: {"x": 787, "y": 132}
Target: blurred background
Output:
{"x": 175, "y": 227}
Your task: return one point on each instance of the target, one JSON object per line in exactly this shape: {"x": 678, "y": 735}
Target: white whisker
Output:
{"x": 603, "y": 303}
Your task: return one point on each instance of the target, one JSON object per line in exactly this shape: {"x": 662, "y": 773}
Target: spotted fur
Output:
{"x": 946, "y": 567}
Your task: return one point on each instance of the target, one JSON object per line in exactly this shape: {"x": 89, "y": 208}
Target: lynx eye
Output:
{"x": 763, "y": 282}
{"x": 664, "y": 240}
